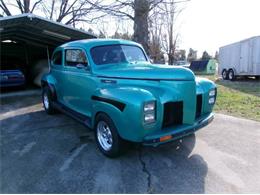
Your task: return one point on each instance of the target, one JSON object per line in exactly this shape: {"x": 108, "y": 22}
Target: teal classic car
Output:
{"x": 111, "y": 87}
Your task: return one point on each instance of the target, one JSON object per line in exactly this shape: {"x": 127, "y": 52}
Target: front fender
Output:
{"x": 206, "y": 84}
{"x": 129, "y": 120}
{"x": 50, "y": 81}
{"x": 203, "y": 87}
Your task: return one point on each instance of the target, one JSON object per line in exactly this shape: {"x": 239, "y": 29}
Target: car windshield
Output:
{"x": 115, "y": 54}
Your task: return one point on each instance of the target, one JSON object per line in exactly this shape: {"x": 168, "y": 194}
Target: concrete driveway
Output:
{"x": 55, "y": 154}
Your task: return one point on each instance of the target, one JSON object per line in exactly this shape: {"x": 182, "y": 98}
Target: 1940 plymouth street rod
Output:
{"x": 111, "y": 87}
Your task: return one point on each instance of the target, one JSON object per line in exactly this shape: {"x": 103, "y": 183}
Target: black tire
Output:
{"x": 118, "y": 146}
{"x": 224, "y": 74}
{"x": 231, "y": 75}
{"x": 46, "y": 93}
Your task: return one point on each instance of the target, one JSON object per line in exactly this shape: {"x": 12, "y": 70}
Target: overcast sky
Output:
{"x": 209, "y": 24}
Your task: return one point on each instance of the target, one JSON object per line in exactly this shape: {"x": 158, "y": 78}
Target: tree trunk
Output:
{"x": 26, "y": 6}
{"x": 141, "y": 33}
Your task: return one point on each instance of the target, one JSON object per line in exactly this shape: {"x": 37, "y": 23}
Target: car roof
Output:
{"x": 89, "y": 43}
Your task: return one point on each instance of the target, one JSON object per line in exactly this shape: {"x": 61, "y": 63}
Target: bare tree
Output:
{"x": 170, "y": 10}
{"x": 164, "y": 17}
{"x": 65, "y": 11}
{"x": 156, "y": 32}
{"x": 71, "y": 11}
{"x": 136, "y": 10}
{"x": 4, "y": 8}
{"x": 206, "y": 56}
{"x": 192, "y": 55}
{"x": 25, "y": 6}
{"x": 140, "y": 12}
{"x": 216, "y": 57}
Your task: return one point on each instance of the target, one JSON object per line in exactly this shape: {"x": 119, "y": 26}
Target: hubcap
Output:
{"x": 104, "y": 135}
{"x": 231, "y": 75}
{"x": 224, "y": 74}
{"x": 45, "y": 101}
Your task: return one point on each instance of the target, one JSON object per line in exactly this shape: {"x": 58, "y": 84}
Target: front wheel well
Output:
{"x": 102, "y": 112}
{"x": 107, "y": 138}
{"x": 51, "y": 87}
{"x": 44, "y": 84}
{"x": 98, "y": 113}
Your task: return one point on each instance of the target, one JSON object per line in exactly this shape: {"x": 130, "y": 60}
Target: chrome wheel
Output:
{"x": 231, "y": 75}
{"x": 46, "y": 101}
{"x": 224, "y": 74}
{"x": 104, "y": 135}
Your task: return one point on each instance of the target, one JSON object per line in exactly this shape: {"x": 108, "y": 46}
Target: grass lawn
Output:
{"x": 239, "y": 98}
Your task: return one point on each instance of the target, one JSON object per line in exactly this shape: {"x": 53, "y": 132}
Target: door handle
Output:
{"x": 80, "y": 66}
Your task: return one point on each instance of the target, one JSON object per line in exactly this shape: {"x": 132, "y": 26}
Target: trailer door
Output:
{"x": 244, "y": 57}
{"x": 255, "y": 49}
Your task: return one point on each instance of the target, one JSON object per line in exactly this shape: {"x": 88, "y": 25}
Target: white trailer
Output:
{"x": 240, "y": 59}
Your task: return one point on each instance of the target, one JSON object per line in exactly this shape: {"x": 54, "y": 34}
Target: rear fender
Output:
{"x": 50, "y": 81}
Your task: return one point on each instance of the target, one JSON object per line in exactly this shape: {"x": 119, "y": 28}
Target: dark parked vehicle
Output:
{"x": 11, "y": 76}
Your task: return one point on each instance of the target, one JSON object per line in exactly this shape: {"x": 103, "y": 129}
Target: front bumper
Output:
{"x": 177, "y": 132}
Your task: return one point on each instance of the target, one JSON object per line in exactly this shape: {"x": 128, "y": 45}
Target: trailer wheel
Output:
{"x": 231, "y": 75}
{"x": 224, "y": 74}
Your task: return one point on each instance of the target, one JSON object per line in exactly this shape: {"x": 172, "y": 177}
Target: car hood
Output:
{"x": 145, "y": 72}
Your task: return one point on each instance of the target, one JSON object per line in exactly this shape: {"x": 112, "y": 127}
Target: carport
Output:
{"x": 27, "y": 41}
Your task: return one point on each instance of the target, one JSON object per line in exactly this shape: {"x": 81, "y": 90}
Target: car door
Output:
{"x": 57, "y": 70}
{"x": 79, "y": 84}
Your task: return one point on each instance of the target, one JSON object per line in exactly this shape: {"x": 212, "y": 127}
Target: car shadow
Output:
{"x": 174, "y": 168}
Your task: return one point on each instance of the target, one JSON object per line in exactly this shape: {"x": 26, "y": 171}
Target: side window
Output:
{"x": 57, "y": 58}
{"x": 75, "y": 57}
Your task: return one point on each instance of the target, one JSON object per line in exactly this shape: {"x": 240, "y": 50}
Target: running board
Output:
{"x": 85, "y": 120}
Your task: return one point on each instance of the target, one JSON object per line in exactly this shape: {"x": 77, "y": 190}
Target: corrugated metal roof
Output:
{"x": 36, "y": 30}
